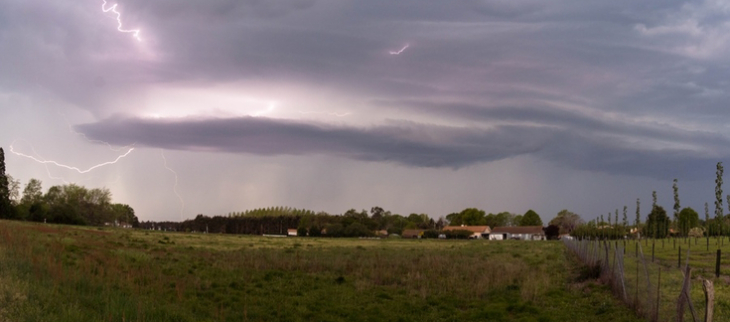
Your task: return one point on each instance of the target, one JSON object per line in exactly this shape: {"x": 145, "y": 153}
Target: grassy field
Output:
{"x": 666, "y": 254}
{"x": 66, "y": 273}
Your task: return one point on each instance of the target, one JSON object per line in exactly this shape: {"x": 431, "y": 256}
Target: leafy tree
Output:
{"x": 353, "y": 216}
{"x": 531, "y": 218}
{"x": 377, "y": 213}
{"x": 13, "y": 190}
{"x": 498, "y": 220}
{"x": 441, "y": 223}
{"x": 302, "y": 232}
{"x": 315, "y": 231}
{"x": 567, "y": 221}
{"x": 123, "y": 214}
{"x": 687, "y": 219}
{"x": 657, "y": 223}
{"x": 430, "y": 233}
{"x": 335, "y": 230}
{"x": 473, "y": 217}
{"x": 357, "y": 230}
{"x": 625, "y": 221}
{"x": 420, "y": 221}
{"x": 516, "y": 220}
{"x": 32, "y": 193}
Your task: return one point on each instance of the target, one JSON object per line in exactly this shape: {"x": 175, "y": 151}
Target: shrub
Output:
{"x": 552, "y": 232}
{"x": 302, "y": 232}
{"x": 315, "y": 231}
{"x": 335, "y": 230}
{"x": 431, "y": 233}
{"x": 357, "y": 230}
{"x": 458, "y": 234}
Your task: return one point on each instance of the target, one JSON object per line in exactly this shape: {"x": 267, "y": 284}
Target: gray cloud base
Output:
{"x": 406, "y": 143}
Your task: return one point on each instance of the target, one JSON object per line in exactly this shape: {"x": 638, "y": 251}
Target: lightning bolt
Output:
{"x": 41, "y": 160}
{"x": 113, "y": 9}
{"x": 71, "y": 130}
{"x": 182, "y": 202}
{"x": 400, "y": 51}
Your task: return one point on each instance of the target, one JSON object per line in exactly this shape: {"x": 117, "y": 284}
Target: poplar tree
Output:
{"x": 718, "y": 196}
{"x": 625, "y": 222}
{"x": 677, "y": 207}
{"x": 653, "y": 199}
{"x": 638, "y": 216}
{"x": 5, "y": 206}
{"x": 707, "y": 219}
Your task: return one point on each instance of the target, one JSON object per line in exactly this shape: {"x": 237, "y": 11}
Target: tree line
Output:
{"x": 685, "y": 222}
{"x": 352, "y": 223}
{"x": 64, "y": 204}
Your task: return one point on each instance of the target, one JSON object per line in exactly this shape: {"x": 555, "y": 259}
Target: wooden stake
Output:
{"x": 709, "y": 299}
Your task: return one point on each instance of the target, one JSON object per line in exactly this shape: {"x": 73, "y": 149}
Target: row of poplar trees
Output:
{"x": 686, "y": 222}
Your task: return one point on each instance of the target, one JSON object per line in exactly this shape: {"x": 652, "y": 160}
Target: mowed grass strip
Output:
{"x": 64, "y": 273}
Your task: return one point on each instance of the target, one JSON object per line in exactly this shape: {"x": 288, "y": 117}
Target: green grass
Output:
{"x": 702, "y": 263}
{"x": 65, "y": 273}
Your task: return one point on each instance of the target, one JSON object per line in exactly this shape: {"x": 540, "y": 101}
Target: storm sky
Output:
{"x": 502, "y": 105}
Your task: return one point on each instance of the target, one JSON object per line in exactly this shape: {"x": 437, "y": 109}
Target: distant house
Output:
{"x": 412, "y": 233}
{"x": 291, "y": 232}
{"x": 478, "y": 232}
{"x": 635, "y": 232}
{"x": 521, "y": 233}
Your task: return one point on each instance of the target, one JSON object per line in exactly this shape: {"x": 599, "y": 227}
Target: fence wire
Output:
{"x": 654, "y": 290}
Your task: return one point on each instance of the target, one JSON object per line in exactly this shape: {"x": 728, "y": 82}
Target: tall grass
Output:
{"x": 63, "y": 273}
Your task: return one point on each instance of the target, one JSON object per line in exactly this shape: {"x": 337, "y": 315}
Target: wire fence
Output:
{"x": 656, "y": 291}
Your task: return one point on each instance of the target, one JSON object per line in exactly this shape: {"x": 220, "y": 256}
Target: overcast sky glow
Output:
{"x": 413, "y": 105}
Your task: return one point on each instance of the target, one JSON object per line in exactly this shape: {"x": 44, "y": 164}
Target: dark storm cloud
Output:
{"x": 459, "y": 47}
{"x": 403, "y": 143}
{"x": 413, "y": 144}
{"x": 624, "y": 59}
{"x": 580, "y": 122}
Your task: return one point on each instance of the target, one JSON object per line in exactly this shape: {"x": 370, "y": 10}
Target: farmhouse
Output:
{"x": 521, "y": 233}
{"x": 478, "y": 232}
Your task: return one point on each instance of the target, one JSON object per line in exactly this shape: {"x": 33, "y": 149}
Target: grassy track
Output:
{"x": 64, "y": 273}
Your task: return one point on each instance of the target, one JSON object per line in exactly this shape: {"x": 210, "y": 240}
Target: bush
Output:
{"x": 315, "y": 231}
{"x": 335, "y": 230}
{"x": 302, "y": 232}
{"x": 431, "y": 233}
{"x": 458, "y": 234}
{"x": 552, "y": 232}
{"x": 357, "y": 230}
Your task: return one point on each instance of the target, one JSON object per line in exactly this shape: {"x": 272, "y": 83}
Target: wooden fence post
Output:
{"x": 658, "y": 294}
{"x": 679, "y": 257}
{"x": 717, "y": 264}
{"x": 709, "y": 299}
